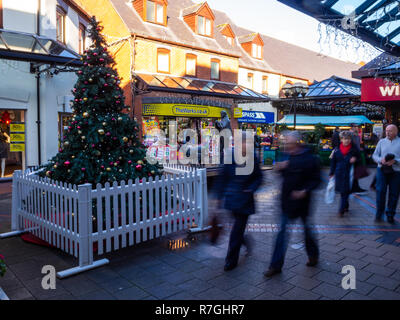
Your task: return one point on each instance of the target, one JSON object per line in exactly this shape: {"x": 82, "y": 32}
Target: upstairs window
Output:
{"x": 265, "y": 85}
{"x": 256, "y": 51}
{"x": 204, "y": 26}
{"x": 1, "y": 15}
{"x": 215, "y": 69}
{"x": 82, "y": 38}
{"x": 163, "y": 60}
{"x": 250, "y": 78}
{"x": 155, "y": 12}
{"x": 191, "y": 64}
{"x": 229, "y": 39}
{"x": 60, "y": 24}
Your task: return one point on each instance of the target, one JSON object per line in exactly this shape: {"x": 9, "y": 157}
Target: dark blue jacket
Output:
{"x": 231, "y": 188}
{"x": 302, "y": 173}
{"x": 340, "y": 167}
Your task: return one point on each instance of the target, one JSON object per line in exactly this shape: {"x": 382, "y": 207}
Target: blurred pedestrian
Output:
{"x": 346, "y": 155}
{"x": 336, "y": 138}
{"x": 301, "y": 175}
{"x": 387, "y": 156}
{"x": 237, "y": 193}
{"x": 356, "y": 141}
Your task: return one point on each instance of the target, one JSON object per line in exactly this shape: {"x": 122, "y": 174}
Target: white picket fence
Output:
{"x": 80, "y": 220}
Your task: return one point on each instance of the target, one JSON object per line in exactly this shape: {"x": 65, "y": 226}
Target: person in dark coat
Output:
{"x": 301, "y": 175}
{"x": 236, "y": 191}
{"x": 346, "y": 155}
{"x": 336, "y": 138}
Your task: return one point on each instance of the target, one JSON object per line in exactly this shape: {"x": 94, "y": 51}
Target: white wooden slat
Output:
{"x": 137, "y": 207}
{"x": 150, "y": 208}
{"x": 76, "y": 226}
{"x": 123, "y": 214}
{"x": 131, "y": 211}
{"x": 169, "y": 206}
{"x": 157, "y": 188}
{"x": 145, "y": 211}
{"x": 99, "y": 217}
{"x": 108, "y": 219}
{"x": 116, "y": 214}
{"x": 163, "y": 206}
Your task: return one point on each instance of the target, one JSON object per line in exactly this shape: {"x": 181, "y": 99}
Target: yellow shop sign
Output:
{"x": 17, "y": 137}
{"x": 237, "y": 112}
{"x": 17, "y": 147}
{"x": 17, "y": 127}
{"x": 182, "y": 110}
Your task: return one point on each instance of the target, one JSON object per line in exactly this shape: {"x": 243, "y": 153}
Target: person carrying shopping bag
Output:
{"x": 344, "y": 158}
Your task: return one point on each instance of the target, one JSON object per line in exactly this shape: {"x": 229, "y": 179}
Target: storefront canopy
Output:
{"x": 157, "y": 82}
{"x": 32, "y": 48}
{"x": 326, "y": 120}
{"x": 377, "y": 21}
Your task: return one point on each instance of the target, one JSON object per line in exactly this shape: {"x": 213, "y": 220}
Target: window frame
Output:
{"x": 60, "y": 11}
{"x": 1, "y": 14}
{"x": 250, "y": 75}
{"x": 213, "y": 60}
{"x": 204, "y": 31}
{"x": 264, "y": 78}
{"x": 192, "y": 56}
{"x": 82, "y": 40}
{"x": 156, "y": 4}
{"x": 256, "y": 50}
{"x": 164, "y": 50}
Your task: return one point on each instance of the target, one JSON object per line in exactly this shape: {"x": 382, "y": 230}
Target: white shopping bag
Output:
{"x": 330, "y": 191}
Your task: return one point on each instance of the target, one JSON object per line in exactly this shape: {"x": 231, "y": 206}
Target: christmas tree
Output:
{"x": 102, "y": 142}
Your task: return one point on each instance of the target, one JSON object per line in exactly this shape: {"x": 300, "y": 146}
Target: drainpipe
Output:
{"x": 38, "y": 89}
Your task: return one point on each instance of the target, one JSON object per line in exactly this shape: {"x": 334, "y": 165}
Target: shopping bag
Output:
{"x": 330, "y": 191}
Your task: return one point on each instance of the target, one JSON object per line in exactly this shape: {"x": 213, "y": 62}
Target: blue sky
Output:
{"x": 275, "y": 19}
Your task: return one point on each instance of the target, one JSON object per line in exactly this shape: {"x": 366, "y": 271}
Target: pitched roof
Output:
{"x": 279, "y": 56}
{"x": 247, "y": 38}
{"x": 191, "y": 9}
{"x": 177, "y": 31}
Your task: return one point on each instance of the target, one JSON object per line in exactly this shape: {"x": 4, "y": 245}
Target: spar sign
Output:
{"x": 379, "y": 90}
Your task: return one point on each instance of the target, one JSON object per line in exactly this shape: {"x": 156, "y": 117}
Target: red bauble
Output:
{"x": 67, "y": 163}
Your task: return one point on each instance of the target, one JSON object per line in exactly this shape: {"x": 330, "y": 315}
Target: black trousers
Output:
{"x": 237, "y": 237}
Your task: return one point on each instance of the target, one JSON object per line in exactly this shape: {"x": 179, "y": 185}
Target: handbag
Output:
{"x": 360, "y": 172}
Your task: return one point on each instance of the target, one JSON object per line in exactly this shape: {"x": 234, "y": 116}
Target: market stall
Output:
{"x": 318, "y": 131}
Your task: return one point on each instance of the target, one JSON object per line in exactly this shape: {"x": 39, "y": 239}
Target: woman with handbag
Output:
{"x": 345, "y": 156}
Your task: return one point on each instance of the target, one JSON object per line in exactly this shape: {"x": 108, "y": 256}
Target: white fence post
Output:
{"x": 15, "y": 203}
{"x": 85, "y": 234}
{"x": 202, "y": 200}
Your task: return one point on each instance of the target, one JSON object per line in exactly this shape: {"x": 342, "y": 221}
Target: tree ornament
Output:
{"x": 48, "y": 173}
{"x": 108, "y": 169}
{"x": 100, "y": 131}
{"x": 66, "y": 143}
{"x": 85, "y": 114}
{"x": 67, "y": 163}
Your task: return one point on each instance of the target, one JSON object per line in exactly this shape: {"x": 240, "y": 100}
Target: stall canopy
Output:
{"x": 376, "y": 21}
{"x": 33, "y": 48}
{"x": 199, "y": 87}
{"x": 325, "y": 120}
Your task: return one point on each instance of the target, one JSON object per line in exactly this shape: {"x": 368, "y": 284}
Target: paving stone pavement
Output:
{"x": 151, "y": 271}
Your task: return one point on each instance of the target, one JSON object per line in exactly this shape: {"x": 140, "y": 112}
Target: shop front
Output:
{"x": 191, "y": 103}
{"x": 199, "y": 118}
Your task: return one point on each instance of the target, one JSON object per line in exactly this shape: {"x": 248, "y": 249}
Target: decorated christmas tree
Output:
{"x": 102, "y": 142}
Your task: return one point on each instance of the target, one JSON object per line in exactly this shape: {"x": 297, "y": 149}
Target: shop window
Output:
{"x": 63, "y": 122}
{"x": 155, "y": 12}
{"x": 204, "y": 26}
{"x": 256, "y": 51}
{"x": 250, "y": 78}
{"x": 163, "y": 60}
{"x": 215, "y": 72}
{"x": 82, "y": 38}
{"x": 191, "y": 65}
{"x": 265, "y": 85}
{"x": 60, "y": 24}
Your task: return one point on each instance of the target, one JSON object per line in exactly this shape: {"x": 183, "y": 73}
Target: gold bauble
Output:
{"x": 55, "y": 166}
{"x": 90, "y": 80}
{"x": 66, "y": 143}
{"x": 85, "y": 99}
{"x": 140, "y": 162}
{"x": 79, "y": 132}
{"x": 100, "y": 131}
{"x": 119, "y": 118}
{"x": 69, "y": 170}
{"x": 83, "y": 137}
{"x": 131, "y": 151}
{"x": 108, "y": 169}
{"x": 153, "y": 172}
{"x": 104, "y": 124}
{"x": 73, "y": 157}
{"x": 85, "y": 114}
{"x": 125, "y": 139}
{"x": 115, "y": 164}
{"x": 48, "y": 173}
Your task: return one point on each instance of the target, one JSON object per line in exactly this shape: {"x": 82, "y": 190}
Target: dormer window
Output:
{"x": 256, "y": 51}
{"x": 253, "y": 44}
{"x": 154, "y": 11}
{"x": 200, "y": 19}
{"x": 227, "y": 32}
{"x": 204, "y": 26}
